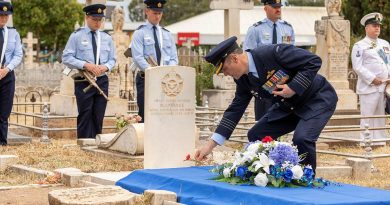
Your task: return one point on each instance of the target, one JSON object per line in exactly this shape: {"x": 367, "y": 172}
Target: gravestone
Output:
{"x": 169, "y": 116}
{"x": 333, "y": 41}
{"x": 231, "y": 14}
{"x": 30, "y": 53}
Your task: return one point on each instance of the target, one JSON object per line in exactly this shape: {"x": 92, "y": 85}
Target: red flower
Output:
{"x": 188, "y": 157}
{"x": 267, "y": 139}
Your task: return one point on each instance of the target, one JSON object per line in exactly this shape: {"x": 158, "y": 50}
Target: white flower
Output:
{"x": 263, "y": 162}
{"x": 248, "y": 156}
{"x": 253, "y": 147}
{"x": 297, "y": 172}
{"x": 227, "y": 172}
{"x": 261, "y": 180}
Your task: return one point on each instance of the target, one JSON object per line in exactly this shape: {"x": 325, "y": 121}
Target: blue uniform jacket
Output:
{"x": 78, "y": 50}
{"x": 314, "y": 94}
{"x": 14, "y": 53}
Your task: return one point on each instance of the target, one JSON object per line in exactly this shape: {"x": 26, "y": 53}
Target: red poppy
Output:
{"x": 188, "y": 157}
{"x": 267, "y": 139}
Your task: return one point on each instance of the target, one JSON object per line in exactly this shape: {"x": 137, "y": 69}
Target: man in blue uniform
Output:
{"x": 151, "y": 40}
{"x": 271, "y": 30}
{"x": 11, "y": 55}
{"x": 303, "y": 101}
{"x": 91, "y": 50}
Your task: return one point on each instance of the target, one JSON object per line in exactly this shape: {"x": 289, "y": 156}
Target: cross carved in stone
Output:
{"x": 30, "y": 53}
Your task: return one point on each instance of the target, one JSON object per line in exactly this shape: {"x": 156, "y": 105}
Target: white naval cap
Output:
{"x": 371, "y": 18}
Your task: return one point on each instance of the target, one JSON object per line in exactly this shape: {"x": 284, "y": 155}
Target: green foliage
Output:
{"x": 51, "y": 21}
{"x": 204, "y": 79}
{"x": 174, "y": 10}
{"x": 355, "y": 10}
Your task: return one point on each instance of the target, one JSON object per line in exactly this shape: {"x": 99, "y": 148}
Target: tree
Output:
{"x": 51, "y": 21}
{"x": 174, "y": 10}
{"x": 355, "y": 10}
{"x": 305, "y": 2}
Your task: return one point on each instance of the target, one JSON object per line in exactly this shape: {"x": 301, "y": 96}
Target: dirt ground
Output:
{"x": 27, "y": 196}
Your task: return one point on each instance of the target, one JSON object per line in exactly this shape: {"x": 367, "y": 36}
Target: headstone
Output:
{"x": 99, "y": 195}
{"x": 333, "y": 41}
{"x": 169, "y": 116}
{"x": 223, "y": 82}
{"x": 30, "y": 53}
{"x": 232, "y": 14}
{"x": 6, "y": 161}
{"x": 15, "y": 139}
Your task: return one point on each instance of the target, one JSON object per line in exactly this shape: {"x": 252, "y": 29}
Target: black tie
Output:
{"x": 94, "y": 46}
{"x": 274, "y": 36}
{"x": 2, "y": 44}
{"x": 156, "y": 45}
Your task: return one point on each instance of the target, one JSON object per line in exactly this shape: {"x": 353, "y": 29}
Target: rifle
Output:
{"x": 91, "y": 80}
{"x": 151, "y": 61}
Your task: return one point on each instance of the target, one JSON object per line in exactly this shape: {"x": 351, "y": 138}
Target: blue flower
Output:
{"x": 282, "y": 153}
{"x": 241, "y": 171}
{"x": 287, "y": 176}
{"x": 308, "y": 173}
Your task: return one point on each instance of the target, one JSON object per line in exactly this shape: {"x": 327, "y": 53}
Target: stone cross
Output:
{"x": 30, "y": 53}
{"x": 232, "y": 14}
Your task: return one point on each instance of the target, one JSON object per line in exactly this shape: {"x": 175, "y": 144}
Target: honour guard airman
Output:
{"x": 370, "y": 60}
{"x": 271, "y": 30}
{"x": 91, "y": 50}
{"x": 151, "y": 41}
{"x": 11, "y": 56}
{"x": 303, "y": 101}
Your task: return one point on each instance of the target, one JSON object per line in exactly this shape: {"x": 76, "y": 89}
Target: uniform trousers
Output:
{"x": 7, "y": 91}
{"x": 306, "y": 132}
{"x": 91, "y": 107}
{"x": 140, "y": 83}
{"x": 370, "y": 105}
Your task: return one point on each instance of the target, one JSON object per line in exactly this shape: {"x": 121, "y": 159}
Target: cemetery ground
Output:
{"x": 63, "y": 153}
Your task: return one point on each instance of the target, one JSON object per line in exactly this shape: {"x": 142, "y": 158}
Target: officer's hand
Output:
{"x": 3, "y": 72}
{"x": 284, "y": 91}
{"x": 92, "y": 68}
{"x": 376, "y": 81}
{"x": 387, "y": 81}
{"x": 102, "y": 69}
{"x": 205, "y": 150}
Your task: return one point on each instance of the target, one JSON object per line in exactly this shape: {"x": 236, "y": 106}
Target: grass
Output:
{"x": 60, "y": 154}
{"x": 65, "y": 153}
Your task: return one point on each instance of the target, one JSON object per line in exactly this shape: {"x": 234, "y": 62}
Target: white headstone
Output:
{"x": 169, "y": 116}
{"x": 30, "y": 53}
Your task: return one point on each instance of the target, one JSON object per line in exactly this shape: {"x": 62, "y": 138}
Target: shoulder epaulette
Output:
{"x": 139, "y": 27}
{"x": 9, "y": 27}
{"x": 106, "y": 32}
{"x": 79, "y": 29}
{"x": 285, "y": 22}
{"x": 257, "y": 23}
{"x": 165, "y": 29}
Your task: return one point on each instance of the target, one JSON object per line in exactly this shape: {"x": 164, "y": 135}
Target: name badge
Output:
{"x": 266, "y": 36}
{"x": 84, "y": 42}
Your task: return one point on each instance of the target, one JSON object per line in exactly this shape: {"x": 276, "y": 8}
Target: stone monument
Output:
{"x": 333, "y": 41}
{"x": 169, "y": 116}
{"x": 232, "y": 14}
{"x": 122, "y": 41}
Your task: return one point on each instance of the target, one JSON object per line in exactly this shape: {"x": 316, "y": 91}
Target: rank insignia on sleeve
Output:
{"x": 358, "y": 54}
{"x": 278, "y": 78}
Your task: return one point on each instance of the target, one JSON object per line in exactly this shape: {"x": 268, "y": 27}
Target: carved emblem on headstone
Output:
{"x": 172, "y": 84}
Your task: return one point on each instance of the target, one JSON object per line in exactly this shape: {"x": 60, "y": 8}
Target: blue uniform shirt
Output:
{"x": 261, "y": 32}
{"x": 78, "y": 50}
{"x": 142, "y": 46}
{"x": 14, "y": 53}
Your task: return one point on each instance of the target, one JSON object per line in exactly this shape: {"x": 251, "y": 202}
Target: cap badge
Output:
{"x": 377, "y": 17}
{"x": 5, "y": 8}
{"x": 278, "y": 1}
{"x": 99, "y": 10}
{"x": 159, "y": 5}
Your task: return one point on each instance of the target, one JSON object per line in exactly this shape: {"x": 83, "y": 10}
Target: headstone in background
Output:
{"x": 333, "y": 41}
{"x": 169, "y": 116}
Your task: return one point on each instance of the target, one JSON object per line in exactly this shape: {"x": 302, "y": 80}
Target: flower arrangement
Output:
{"x": 268, "y": 163}
{"x": 122, "y": 121}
